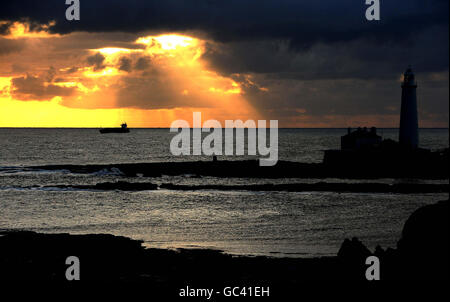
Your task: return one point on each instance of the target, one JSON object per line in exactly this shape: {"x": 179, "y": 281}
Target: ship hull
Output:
{"x": 114, "y": 130}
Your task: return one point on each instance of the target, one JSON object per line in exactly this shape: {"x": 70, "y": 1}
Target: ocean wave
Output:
{"x": 109, "y": 172}
{"x": 12, "y": 170}
{"x": 40, "y": 188}
{"x": 366, "y": 188}
{"x": 27, "y": 170}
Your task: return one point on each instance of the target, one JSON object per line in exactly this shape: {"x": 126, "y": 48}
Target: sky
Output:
{"x": 304, "y": 63}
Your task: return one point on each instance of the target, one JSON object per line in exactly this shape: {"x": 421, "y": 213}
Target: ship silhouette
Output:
{"x": 123, "y": 129}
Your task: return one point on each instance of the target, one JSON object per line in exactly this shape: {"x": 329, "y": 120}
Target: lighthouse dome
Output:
{"x": 408, "y": 77}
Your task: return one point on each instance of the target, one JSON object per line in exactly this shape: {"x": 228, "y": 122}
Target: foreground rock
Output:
{"x": 422, "y": 252}
{"x": 29, "y": 255}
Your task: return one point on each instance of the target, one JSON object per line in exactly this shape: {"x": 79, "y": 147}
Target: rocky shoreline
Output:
{"x": 422, "y": 253}
{"x": 250, "y": 168}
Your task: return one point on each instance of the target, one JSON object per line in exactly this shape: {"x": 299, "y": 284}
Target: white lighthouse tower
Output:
{"x": 409, "y": 125}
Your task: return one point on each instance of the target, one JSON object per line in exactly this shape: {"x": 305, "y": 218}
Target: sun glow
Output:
{"x": 50, "y": 113}
{"x": 173, "y": 61}
{"x": 184, "y": 50}
{"x": 181, "y": 57}
{"x": 105, "y": 72}
{"x": 168, "y": 42}
{"x": 111, "y": 50}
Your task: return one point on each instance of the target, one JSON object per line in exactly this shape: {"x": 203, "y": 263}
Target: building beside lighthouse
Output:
{"x": 409, "y": 124}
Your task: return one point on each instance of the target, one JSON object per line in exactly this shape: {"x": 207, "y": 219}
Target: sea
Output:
{"x": 276, "y": 224}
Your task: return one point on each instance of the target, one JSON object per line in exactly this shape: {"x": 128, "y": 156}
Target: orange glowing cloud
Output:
{"x": 157, "y": 80}
{"x": 18, "y": 30}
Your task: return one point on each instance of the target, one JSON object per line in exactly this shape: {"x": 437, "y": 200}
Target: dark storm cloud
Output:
{"x": 250, "y": 33}
{"x": 4, "y": 28}
{"x": 96, "y": 60}
{"x": 303, "y": 22}
{"x": 362, "y": 58}
{"x": 319, "y": 57}
{"x": 142, "y": 63}
{"x": 347, "y": 97}
{"x": 125, "y": 64}
{"x": 36, "y": 88}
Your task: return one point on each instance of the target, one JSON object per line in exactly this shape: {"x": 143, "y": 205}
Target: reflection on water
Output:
{"x": 269, "y": 223}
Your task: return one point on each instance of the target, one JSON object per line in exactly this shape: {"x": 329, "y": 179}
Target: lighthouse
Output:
{"x": 409, "y": 125}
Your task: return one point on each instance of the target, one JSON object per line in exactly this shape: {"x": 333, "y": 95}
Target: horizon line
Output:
{"x": 32, "y": 127}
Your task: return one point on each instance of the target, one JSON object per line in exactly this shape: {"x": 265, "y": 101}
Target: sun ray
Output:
{"x": 178, "y": 58}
